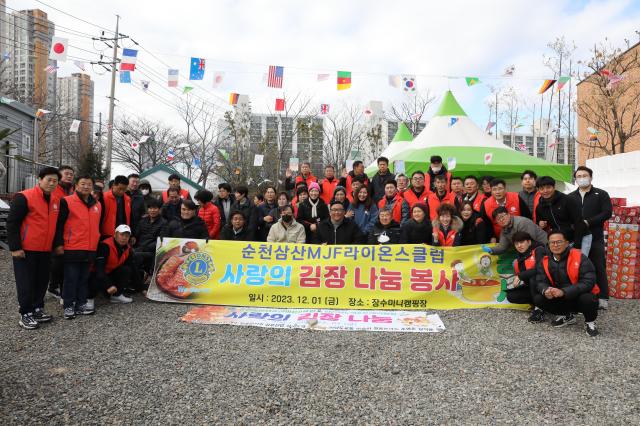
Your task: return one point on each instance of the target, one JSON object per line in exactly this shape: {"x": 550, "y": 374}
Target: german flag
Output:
{"x": 344, "y": 80}
{"x": 545, "y": 86}
{"x": 233, "y": 98}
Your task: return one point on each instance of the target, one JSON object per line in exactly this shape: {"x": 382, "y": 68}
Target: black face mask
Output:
{"x": 287, "y": 218}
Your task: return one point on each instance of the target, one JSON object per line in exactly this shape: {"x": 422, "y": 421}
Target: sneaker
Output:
{"x": 69, "y": 313}
{"x": 85, "y": 310}
{"x": 27, "y": 321}
{"x": 55, "y": 292}
{"x": 603, "y": 304}
{"x": 591, "y": 329}
{"x": 563, "y": 321}
{"x": 91, "y": 304}
{"x": 121, "y": 299}
{"x": 41, "y": 316}
{"x": 537, "y": 315}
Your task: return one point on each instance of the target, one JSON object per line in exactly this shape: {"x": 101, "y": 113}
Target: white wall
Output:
{"x": 619, "y": 175}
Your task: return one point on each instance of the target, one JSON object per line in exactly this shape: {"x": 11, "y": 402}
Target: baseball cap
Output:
{"x": 123, "y": 228}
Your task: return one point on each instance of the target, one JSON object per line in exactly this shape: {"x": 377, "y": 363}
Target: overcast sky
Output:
{"x": 431, "y": 39}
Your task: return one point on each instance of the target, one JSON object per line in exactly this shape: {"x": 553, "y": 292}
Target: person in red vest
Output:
{"x": 31, "y": 226}
{"x": 456, "y": 195}
{"x": 77, "y": 237}
{"x": 305, "y": 176}
{"x": 439, "y": 196}
{"x": 398, "y": 205}
{"x": 501, "y": 198}
{"x": 472, "y": 193}
{"x": 566, "y": 284}
{"x": 65, "y": 185}
{"x": 522, "y": 290}
{"x": 357, "y": 172}
{"x": 64, "y": 188}
{"x": 174, "y": 182}
{"x": 403, "y": 183}
{"x": 115, "y": 269}
{"x": 116, "y": 207}
{"x": 436, "y": 169}
{"x": 328, "y": 184}
{"x": 417, "y": 193}
{"x": 446, "y": 227}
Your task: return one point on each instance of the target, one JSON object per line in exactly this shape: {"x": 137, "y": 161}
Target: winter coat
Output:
{"x": 148, "y": 232}
{"x": 138, "y": 208}
{"x": 391, "y": 231}
{"x": 558, "y": 271}
{"x": 417, "y": 232}
{"x": 363, "y": 217}
{"x": 474, "y": 231}
{"x": 456, "y": 226}
{"x": 293, "y": 233}
{"x": 346, "y": 233}
{"x": 228, "y": 234}
{"x": 305, "y": 217}
{"x": 171, "y": 211}
{"x": 220, "y": 205}
{"x": 518, "y": 224}
{"x": 265, "y": 209}
{"x": 378, "y": 182}
{"x": 211, "y": 216}
{"x": 528, "y": 276}
{"x": 596, "y": 210}
{"x": 191, "y": 228}
{"x": 250, "y": 212}
{"x": 564, "y": 213}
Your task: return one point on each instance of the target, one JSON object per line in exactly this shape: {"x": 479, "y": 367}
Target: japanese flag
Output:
{"x": 487, "y": 158}
{"x": 59, "y": 47}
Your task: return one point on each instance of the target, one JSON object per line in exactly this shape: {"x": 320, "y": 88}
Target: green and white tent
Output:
{"x": 400, "y": 142}
{"x": 451, "y": 134}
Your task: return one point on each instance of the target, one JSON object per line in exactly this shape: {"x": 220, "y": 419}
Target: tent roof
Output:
{"x": 449, "y": 106}
{"x": 402, "y": 134}
{"x": 162, "y": 172}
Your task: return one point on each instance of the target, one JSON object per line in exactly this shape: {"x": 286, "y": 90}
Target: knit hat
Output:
{"x": 314, "y": 185}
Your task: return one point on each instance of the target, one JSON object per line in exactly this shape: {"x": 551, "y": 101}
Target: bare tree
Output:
{"x": 611, "y": 108}
{"x": 412, "y": 109}
{"x": 343, "y": 133}
{"x": 511, "y": 112}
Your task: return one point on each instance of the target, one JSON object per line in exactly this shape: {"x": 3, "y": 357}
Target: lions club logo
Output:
{"x": 197, "y": 268}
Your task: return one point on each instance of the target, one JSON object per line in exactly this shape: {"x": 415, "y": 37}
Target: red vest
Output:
{"x": 412, "y": 199}
{"x": 529, "y": 263}
{"x": 311, "y": 178}
{"x": 327, "y": 189}
{"x": 397, "y": 207}
{"x": 427, "y": 181}
{"x": 434, "y": 203}
{"x": 573, "y": 269}
{"x": 184, "y": 194}
{"x": 512, "y": 205}
{"x": 447, "y": 241}
{"x": 61, "y": 193}
{"x": 114, "y": 261}
{"x": 477, "y": 202}
{"x": 350, "y": 179}
{"x": 82, "y": 228}
{"x": 536, "y": 201}
{"x": 39, "y": 225}
{"x": 108, "y": 226}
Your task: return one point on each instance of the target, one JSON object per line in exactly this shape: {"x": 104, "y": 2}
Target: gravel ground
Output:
{"x": 138, "y": 364}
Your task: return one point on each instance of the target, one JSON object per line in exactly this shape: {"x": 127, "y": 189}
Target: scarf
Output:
{"x": 314, "y": 207}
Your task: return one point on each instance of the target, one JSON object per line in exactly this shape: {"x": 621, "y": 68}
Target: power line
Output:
{"x": 75, "y": 17}
{"x": 70, "y": 30}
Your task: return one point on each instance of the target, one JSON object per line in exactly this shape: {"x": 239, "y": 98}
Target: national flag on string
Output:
{"x": 561, "y": 82}
{"x": 59, "y": 47}
{"x": 41, "y": 112}
{"x": 4, "y": 100}
{"x": 509, "y": 71}
{"x": 323, "y": 77}
{"x": 218, "y": 76}
{"x": 51, "y": 69}
{"x": 143, "y": 139}
{"x": 80, "y": 65}
{"x": 279, "y": 104}
{"x": 324, "y": 109}
{"x": 490, "y": 125}
{"x": 6, "y": 56}
{"x": 196, "y": 71}
{"x": 344, "y": 80}
{"x": 521, "y": 147}
{"x": 196, "y": 162}
{"x": 593, "y": 137}
{"x": 75, "y": 126}
{"x": 233, "y": 98}
{"x": 452, "y": 121}
{"x": 170, "y": 154}
{"x": 409, "y": 83}
{"x": 125, "y": 76}
{"x": 145, "y": 85}
{"x": 545, "y": 86}
{"x": 471, "y": 81}
{"x": 186, "y": 89}
{"x": 517, "y": 126}
{"x": 614, "y": 80}
{"x": 416, "y": 117}
{"x": 593, "y": 130}
{"x": 134, "y": 145}
{"x": 276, "y": 75}
{"x": 172, "y": 77}
{"x": 605, "y": 72}
{"x": 394, "y": 81}
{"x": 553, "y": 144}
{"x": 129, "y": 58}
{"x": 488, "y": 157}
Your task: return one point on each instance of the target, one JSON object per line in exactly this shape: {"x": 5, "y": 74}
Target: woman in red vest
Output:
{"x": 446, "y": 227}
{"x": 31, "y": 227}
{"x": 77, "y": 236}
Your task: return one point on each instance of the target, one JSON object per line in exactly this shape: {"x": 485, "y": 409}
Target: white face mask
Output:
{"x": 583, "y": 182}
{"x": 436, "y": 169}
{"x": 144, "y": 191}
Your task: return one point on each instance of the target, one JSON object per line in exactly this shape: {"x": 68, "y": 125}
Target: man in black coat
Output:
{"x": 171, "y": 209}
{"x": 189, "y": 225}
{"x": 236, "y": 229}
{"x": 566, "y": 283}
{"x": 248, "y": 209}
{"x": 224, "y": 201}
{"x": 523, "y": 287}
{"x": 596, "y": 210}
{"x": 559, "y": 211}
{"x": 380, "y": 179}
{"x": 338, "y": 230}
{"x": 386, "y": 230}
{"x": 137, "y": 200}
{"x": 150, "y": 227}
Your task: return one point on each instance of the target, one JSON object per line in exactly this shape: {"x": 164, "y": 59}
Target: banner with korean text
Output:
{"x": 398, "y": 277}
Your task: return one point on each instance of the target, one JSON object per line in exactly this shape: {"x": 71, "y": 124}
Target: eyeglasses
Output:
{"x": 417, "y": 178}
{"x": 557, "y": 242}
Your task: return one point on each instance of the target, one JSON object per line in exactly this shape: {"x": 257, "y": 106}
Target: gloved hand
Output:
{"x": 486, "y": 248}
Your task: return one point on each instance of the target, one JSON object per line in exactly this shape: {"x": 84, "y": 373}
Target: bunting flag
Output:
{"x": 224, "y": 153}
{"x": 509, "y": 71}
{"x": 4, "y": 100}
{"x": 196, "y": 71}
{"x": 451, "y": 163}
{"x": 471, "y": 81}
{"x": 614, "y": 80}
{"x": 488, "y": 157}
{"x": 145, "y": 85}
{"x": 172, "y": 77}
{"x": 561, "y": 82}
{"x": 129, "y": 58}
{"x": 344, "y": 80}
{"x": 521, "y": 147}
{"x": 517, "y": 126}
{"x": 453, "y": 120}
{"x": 593, "y": 130}
{"x": 553, "y": 144}
{"x": 59, "y": 47}
{"x": 41, "y": 112}
{"x": 593, "y": 138}
{"x": 257, "y": 160}
{"x": 276, "y": 75}
{"x": 324, "y": 109}
{"x": 50, "y": 69}
{"x": 197, "y": 162}
{"x": 186, "y": 89}
{"x": 490, "y": 125}
{"x": 170, "y": 154}
{"x": 80, "y": 65}
{"x": 605, "y": 73}
{"x": 409, "y": 83}
{"x": 233, "y": 98}
{"x": 6, "y": 56}
{"x": 323, "y": 77}
{"x": 143, "y": 139}
{"x": 545, "y": 86}
{"x": 218, "y": 76}
{"x": 394, "y": 81}
{"x": 125, "y": 76}
{"x": 279, "y": 104}
{"x": 134, "y": 145}
{"x": 75, "y": 126}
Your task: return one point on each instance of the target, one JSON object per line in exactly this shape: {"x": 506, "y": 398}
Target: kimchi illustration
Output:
{"x": 169, "y": 276}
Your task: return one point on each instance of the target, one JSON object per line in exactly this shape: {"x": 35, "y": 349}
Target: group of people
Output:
{"x": 103, "y": 240}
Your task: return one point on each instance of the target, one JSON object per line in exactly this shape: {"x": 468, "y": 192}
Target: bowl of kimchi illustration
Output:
{"x": 481, "y": 290}
{"x": 169, "y": 276}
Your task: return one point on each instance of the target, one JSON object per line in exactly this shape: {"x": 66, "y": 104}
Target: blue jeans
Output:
{"x": 586, "y": 244}
{"x": 76, "y": 284}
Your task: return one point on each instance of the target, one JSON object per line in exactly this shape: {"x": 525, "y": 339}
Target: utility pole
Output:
{"x": 112, "y": 99}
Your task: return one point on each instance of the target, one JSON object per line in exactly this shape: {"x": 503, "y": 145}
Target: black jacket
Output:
{"x": 192, "y": 228}
{"x": 377, "y": 184}
{"x": 392, "y": 231}
{"x": 596, "y": 209}
{"x": 102, "y": 279}
{"x": 346, "y": 233}
{"x": 475, "y": 231}
{"x": 137, "y": 208}
{"x": 528, "y": 276}
{"x": 305, "y": 217}
{"x": 58, "y": 239}
{"x": 417, "y": 233}
{"x": 265, "y": 209}
{"x": 228, "y": 234}
{"x": 147, "y": 233}
{"x": 250, "y": 212}
{"x": 218, "y": 204}
{"x": 562, "y": 212}
{"x": 432, "y": 176}
{"x": 558, "y": 271}
{"x": 171, "y": 211}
